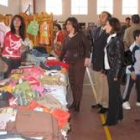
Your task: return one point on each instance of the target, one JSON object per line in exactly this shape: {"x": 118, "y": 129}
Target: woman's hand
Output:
{"x": 115, "y": 79}
{"x": 23, "y": 48}
{"x": 5, "y": 67}
{"x": 87, "y": 62}
{"x": 133, "y": 76}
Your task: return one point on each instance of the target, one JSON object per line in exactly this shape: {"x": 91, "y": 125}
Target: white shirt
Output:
{"x": 106, "y": 62}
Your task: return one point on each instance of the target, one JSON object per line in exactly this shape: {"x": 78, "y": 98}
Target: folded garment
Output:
{"x": 46, "y": 67}
{"x": 38, "y": 54}
{"x": 58, "y": 92}
{"x": 15, "y": 136}
{"x": 50, "y": 102}
{"x": 57, "y": 63}
{"x": 33, "y": 58}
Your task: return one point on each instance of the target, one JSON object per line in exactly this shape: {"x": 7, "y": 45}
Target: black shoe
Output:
{"x": 96, "y": 106}
{"x": 103, "y": 110}
{"x": 77, "y": 106}
{"x": 109, "y": 124}
{"x": 72, "y": 106}
{"x": 104, "y": 124}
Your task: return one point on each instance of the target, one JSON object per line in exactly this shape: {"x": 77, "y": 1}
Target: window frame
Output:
{"x": 54, "y": 11}
{"x": 104, "y": 7}
{"x": 129, "y": 13}
{"x": 4, "y": 3}
{"x": 79, "y": 7}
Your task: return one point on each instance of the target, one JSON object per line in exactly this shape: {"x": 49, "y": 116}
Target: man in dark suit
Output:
{"x": 99, "y": 78}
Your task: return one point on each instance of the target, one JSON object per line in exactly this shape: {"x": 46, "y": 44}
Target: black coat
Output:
{"x": 99, "y": 43}
{"x": 115, "y": 54}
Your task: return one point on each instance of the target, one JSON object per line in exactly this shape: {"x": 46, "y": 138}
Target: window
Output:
{"x": 129, "y": 7}
{"x": 4, "y": 2}
{"x": 104, "y": 5}
{"x": 78, "y": 7}
{"x": 54, "y": 6}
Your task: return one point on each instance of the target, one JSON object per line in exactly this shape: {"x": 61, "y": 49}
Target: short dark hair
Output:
{"x": 127, "y": 18}
{"x": 74, "y": 23}
{"x": 115, "y": 24}
{"x": 58, "y": 26}
{"x": 136, "y": 33}
{"x": 108, "y": 14}
{"x": 135, "y": 19}
{"x": 21, "y": 28}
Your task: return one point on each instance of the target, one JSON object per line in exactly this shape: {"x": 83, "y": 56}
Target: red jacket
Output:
{"x": 12, "y": 45}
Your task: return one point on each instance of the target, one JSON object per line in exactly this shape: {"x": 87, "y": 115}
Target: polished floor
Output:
{"x": 87, "y": 124}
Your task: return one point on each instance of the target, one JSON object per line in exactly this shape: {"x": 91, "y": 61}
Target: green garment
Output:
{"x": 33, "y": 28}
{"x": 24, "y": 93}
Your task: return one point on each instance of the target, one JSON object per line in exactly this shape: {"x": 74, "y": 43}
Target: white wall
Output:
{"x": 91, "y": 17}
{"x": 24, "y": 5}
{"x": 16, "y": 6}
{"x": 13, "y": 7}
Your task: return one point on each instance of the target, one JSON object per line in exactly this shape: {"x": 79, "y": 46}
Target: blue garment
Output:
{"x": 37, "y": 53}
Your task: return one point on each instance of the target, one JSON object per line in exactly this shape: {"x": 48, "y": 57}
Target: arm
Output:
{"x": 119, "y": 58}
{"x": 135, "y": 57}
{"x": 87, "y": 50}
{"x": 86, "y": 45}
{"x": 126, "y": 39}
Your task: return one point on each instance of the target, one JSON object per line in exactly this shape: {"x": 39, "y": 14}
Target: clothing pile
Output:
{"x": 33, "y": 103}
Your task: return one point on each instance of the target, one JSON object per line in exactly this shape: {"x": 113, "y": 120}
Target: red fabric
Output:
{"x": 12, "y": 44}
{"x": 54, "y": 63}
{"x": 32, "y": 81}
{"x": 64, "y": 33}
{"x": 61, "y": 116}
{"x": 59, "y": 42}
{"x": 60, "y": 37}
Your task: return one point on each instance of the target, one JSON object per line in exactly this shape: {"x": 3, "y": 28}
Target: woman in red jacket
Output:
{"x": 13, "y": 44}
{"x": 59, "y": 39}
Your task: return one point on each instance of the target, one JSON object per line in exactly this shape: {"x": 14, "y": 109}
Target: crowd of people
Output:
{"x": 110, "y": 40}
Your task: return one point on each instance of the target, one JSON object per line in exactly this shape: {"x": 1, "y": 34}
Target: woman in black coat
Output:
{"x": 113, "y": 61}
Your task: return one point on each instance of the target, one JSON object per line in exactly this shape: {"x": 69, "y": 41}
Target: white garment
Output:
{"x": 4, "y": 28}
{"x": 58, "y": 92}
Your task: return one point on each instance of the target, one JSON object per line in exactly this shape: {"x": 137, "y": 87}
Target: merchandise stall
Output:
{"x": 33, "y": 99}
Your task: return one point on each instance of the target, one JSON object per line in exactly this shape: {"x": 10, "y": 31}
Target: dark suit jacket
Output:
{"x": 100, "y": 41}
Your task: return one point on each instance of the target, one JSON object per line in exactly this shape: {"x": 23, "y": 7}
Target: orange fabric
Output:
{"x": 7, "y": 88}
{"x": 44, "y": 34}
{"x": 61, "y": 116}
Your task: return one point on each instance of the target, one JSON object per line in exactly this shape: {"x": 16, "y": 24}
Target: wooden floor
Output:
{"x": 87, "y": 124}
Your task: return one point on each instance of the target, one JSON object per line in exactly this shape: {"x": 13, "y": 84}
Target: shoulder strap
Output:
{"x": 134, "y": 49}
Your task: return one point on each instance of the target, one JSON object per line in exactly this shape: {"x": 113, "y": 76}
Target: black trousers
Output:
{"x": 12, "y": 64}
{"x": 115, "y": 111}
{"x": 76, "y": 78}
{"x": 131, "y": 83}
